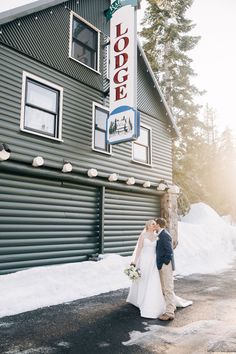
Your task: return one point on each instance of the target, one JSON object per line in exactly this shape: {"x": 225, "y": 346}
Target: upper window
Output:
{"x": 100, "y": 115}
{"x": 142, "y": 147}
{"x": 41, "y": 107}
{"x": 85, "y": 43}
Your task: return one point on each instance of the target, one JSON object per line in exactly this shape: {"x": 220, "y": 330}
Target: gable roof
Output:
{"x": 38, "y": 5}
{"x": 27, "y": 9}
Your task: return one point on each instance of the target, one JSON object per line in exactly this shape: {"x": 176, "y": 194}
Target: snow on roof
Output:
{"x": 26, "y": 9}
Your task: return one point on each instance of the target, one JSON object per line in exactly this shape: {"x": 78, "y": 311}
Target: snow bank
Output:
{"x": 206, "y": 242}
{"x": 51, "y": 285}
{"x": 205, "y": 246}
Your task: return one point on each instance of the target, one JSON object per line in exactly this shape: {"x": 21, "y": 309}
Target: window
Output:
{"x": 41, "y": 107}
{"x": 142, "y": 147}
{"x": 85, "y": 43}
{"x": 100, "y": 115}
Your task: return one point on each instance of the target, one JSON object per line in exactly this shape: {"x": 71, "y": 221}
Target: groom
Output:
{"x": 165, "y": 265}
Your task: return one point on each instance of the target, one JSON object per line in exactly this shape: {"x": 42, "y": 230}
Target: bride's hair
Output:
{"x": 149, "y": 223}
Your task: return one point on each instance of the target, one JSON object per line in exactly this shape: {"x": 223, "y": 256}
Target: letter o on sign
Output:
{"x": 119, "y": 46}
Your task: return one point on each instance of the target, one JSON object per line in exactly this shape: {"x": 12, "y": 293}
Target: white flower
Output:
{"x": 133, "y": 272}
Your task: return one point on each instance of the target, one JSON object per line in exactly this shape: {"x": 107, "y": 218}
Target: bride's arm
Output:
{"x": 138, "y": 248}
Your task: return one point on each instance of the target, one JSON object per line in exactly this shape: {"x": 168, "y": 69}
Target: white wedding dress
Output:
{"x": 146, "y": 292}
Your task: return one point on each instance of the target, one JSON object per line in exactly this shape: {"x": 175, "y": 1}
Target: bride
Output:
{"x": 146, "y": 293}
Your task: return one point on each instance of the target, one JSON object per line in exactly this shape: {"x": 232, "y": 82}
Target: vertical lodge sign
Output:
{"x": 123, "y": 123}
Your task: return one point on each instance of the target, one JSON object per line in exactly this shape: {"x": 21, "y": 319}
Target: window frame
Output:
{"x": 108, "y": 58}
{"x": 104, "y": 108}
{"x": 72, "y": 15}
{"x": 144, "y": 126}
{"x": 41, "y": 82}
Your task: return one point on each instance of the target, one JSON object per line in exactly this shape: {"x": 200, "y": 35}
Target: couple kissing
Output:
{"x": 153, "y": 293}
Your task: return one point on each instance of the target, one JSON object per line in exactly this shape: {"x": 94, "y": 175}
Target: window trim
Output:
{"x": 108, "y": 58}
{"x": 95, "y": 104}
{"x": 25, "y": 76}
{"x": 72, "y": 15}
{"x": 150, "y": 147}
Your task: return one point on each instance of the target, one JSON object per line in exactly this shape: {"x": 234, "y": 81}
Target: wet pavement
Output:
{"x": 107, "y": 324}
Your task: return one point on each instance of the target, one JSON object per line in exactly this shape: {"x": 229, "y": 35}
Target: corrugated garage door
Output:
{"x": 125, "y": 215}
{"x": 46, "y": 222}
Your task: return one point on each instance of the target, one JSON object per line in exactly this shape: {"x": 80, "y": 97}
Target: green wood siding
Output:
{"x": 76, "y": 127}
{"x": 147, "y": 97}
{"x": 46, "y": 39}
{"x": 48, "y": 217}
{"x": 125, "y": 215}
{"x": 46, "y": 222}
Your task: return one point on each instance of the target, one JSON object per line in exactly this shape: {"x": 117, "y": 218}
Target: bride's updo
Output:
{"x": 149, "y": 223}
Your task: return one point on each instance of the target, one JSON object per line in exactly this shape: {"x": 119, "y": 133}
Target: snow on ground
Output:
{"x": 206, "y": 244}
{"x": 215, "y": 335}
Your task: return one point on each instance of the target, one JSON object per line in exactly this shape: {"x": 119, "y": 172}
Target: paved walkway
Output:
{"x": 107, "y": 324}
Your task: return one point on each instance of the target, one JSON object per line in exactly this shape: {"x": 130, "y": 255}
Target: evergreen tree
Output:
{"x": 225, "y": 174}
{"x": 210, "y": 124}
{"x": 166, "y": 44}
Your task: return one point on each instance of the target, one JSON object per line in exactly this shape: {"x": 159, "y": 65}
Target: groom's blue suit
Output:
{"x": 164, "y": 250}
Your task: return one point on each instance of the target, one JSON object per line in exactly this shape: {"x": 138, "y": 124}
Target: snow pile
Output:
{"x": 206, "y": 242}
{"x": 205, "y": 246}
{"x": 51, "y": 285}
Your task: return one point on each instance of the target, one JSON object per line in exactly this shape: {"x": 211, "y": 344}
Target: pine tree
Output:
{"x": 166, "y": 43}
{"x": 210, "y": 124}
{"x": 225, "y": 174}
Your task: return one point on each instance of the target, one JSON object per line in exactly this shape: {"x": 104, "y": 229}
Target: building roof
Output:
{"x": 27, "y": 9}
{"x": 38, "y": 5}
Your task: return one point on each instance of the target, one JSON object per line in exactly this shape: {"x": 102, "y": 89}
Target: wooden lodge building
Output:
{"x": 65, "y": 194}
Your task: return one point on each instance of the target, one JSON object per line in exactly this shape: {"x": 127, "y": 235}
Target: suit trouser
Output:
{"x": 167, "y": 283}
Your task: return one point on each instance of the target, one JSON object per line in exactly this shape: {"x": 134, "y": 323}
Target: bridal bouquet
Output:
{"x": 133, "y": 272}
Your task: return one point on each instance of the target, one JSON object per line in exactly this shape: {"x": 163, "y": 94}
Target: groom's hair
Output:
{"x": 161, "y": 222}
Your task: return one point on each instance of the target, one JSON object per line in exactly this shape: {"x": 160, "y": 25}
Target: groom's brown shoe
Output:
{"x": 166, "y": 317}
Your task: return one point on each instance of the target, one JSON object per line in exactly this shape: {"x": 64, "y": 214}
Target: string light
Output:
{"x": 113, "y": 177}
{"x": 147, "y": 184}
{"x": 38, "y": 161}
{"x": 130, "y": 181}
{"x": 92, "y": 172}
{"x": 67, "y": 167}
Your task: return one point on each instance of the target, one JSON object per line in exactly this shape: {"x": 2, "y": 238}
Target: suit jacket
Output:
{"x": 164, "y": 250}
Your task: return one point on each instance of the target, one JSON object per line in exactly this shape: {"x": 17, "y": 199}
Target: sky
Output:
{"x": 214, "y": 57}
{"x": 207, "y": 244}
